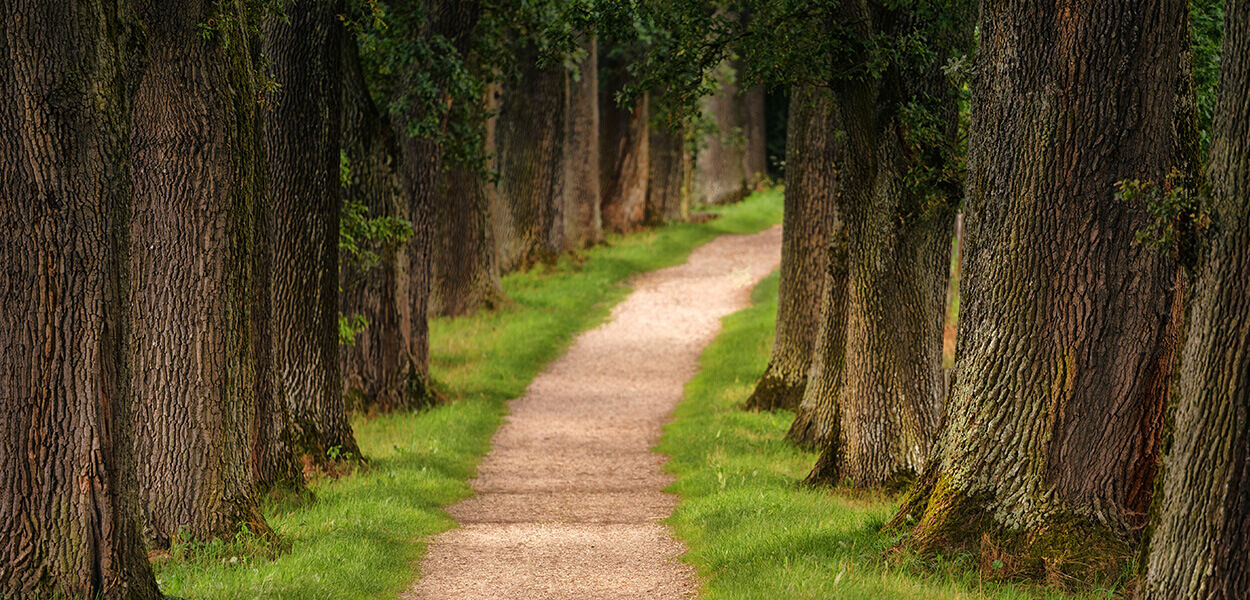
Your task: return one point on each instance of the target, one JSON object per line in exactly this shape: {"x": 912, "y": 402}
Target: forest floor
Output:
{"x": 754, "y": 531}
{"x": 363, "y": 536}
{"x": 569, "y": 498}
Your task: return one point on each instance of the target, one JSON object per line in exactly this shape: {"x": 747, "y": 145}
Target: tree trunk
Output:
{"x": 720, "y": 163}
{"x": 466, "y": 274}
{"x": 625, "y": 151}
{"x": 1201, "y": 541}
{"x": 422, "y": 166}
{"x": 530, "y": 128}
{"x": 302, "y": 134}
{"x": 67, "y": 485}
{"x": 1068, "y": 324}
{"x": 815, "y": 419}
{"x": 583, "y": 221}
{"x": 755, "y": 151}
{"x": 374, "y": 368}
{"x": 194, "y": 148}
{"x": 809, "y": 209}
{"x": 667, "y": 197}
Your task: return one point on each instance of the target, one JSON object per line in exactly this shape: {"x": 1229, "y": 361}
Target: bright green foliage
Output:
{"x": 1206, "y": 30}
{"x": 752, "y": 529}
{"x": 364, "y": 534}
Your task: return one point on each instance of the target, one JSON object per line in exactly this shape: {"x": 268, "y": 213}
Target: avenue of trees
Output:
{"x": 1098, "y": 410}
{"x": 226, "y": 224}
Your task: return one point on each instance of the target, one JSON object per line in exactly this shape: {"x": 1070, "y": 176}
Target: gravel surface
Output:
{"x": 569, "y": 497}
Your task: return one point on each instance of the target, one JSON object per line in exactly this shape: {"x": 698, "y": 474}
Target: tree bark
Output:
{"x": 667, "y": 196}
{"x": 529, "y": 216}
{"x": 720, "y": 162}
{"x": 1068, "y": 324}
{"x": 374, "y": 368}
{"x": 624, "y": 162}
{"x": 583, "y": 219}
{"x": 422, "y": 166}
{"x": 302, "y": 135}
{"x": 804, "y": 248}
{"x": 1201, "y": 540}
{"x": 816, "y": 418}
{"x": 466, "y": 274}
{"x": 194, "y": 148}
{"x": 67, "y": 485}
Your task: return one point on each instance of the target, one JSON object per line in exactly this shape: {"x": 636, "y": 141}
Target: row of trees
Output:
{"x": 1100, "y": 397}
{"x": 227, "y": 221}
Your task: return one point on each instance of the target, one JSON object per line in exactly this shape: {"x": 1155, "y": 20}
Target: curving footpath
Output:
{"x": 569, "y": 498}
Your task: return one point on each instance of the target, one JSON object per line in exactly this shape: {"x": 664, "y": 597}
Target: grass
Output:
{"x": 753, "y": 531}
{"x": 364, "y": 535}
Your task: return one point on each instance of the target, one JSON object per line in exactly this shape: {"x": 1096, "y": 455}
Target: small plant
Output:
{"x": 1177, "y": 219}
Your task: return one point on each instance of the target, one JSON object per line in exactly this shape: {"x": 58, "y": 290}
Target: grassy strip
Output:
{"x": 364, "y": 535}
{"x": 752, "y": 530}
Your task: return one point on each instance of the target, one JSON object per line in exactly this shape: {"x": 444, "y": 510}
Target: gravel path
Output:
{"x": 568, "y": 499}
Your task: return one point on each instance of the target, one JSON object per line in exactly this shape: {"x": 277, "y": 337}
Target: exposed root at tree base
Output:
{"x": 1066, "y": 552}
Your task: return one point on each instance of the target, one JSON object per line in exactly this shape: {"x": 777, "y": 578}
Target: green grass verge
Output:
{"x": 364, "y": 535}
{"x": 752, "y": 529}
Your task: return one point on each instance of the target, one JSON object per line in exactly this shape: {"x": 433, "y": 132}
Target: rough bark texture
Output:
{"x": 624, "y": 151}
{"x": 898, "y": 263}
{"x": 375, "y": 368}
{"x": 530, "y": 140}
{"x": 422, "y": 165}
{"x": 1068, "y": 325}
{"x": 465, "y": 272}
{"x": 720, "y": 176}
{"x": 668, "y": 198}
{"x": 583, "y": 223}
{"x": 302, "y": 136}
{"x": 67, "y": 487}
{"x": 194, "y": 148}
{"x": 1200, "y": 545}
{"x": 804, "y": 249}
{"x": 815, "y": 419}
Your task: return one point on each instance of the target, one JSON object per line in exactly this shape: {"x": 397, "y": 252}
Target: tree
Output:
{"x": 583, "y": 219}
{"x": 624, "y": 161}
{"x": 195, "y": 147}
{"x": 809, "y": 211}
{"x": 375, "y": 362}
{"x": 1068, "y": 324}
{"x": 669, "y": 171}
{"x": 1201, "y": 539}
{"x": 67, "y": 485}
{"x": 302, "y": 139}
{"x": 720, "y": 175}
{"x": 530, "y": 141}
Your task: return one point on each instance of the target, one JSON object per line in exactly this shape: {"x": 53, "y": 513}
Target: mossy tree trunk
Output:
{"x": 624, "y": 160}
{"x": 530, "y": 142}
{"x": 815, "y": 419}
{"x": 809, "y": 199}
{"x": 667, "y": 196}
{"x": 1068, "y": 325}
{"x": 583, "y": 222}
{"x": 67, "y": 484}
{"x": 302, "y": 138}
{"x": 1200, "y": 544}
{"x": 195, "y": 144}
{"x": 374, "y": 369}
